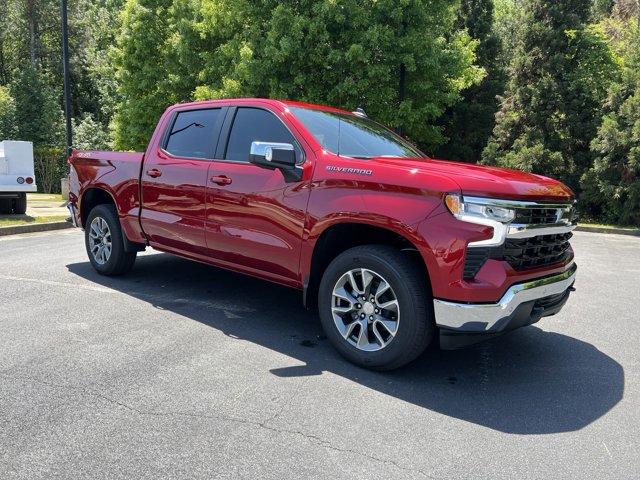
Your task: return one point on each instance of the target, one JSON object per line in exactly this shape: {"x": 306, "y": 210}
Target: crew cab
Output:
{"x": 396, "y": 250}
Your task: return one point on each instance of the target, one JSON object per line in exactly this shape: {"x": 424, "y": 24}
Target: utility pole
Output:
{"x": 65, "y": 72}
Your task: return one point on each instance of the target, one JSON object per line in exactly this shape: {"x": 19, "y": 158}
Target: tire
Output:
{"x": 414, "y": 325}
{"x": 6, "y": 206}
{"x": 20, "y": 206}
{"x": 103, "y": 222}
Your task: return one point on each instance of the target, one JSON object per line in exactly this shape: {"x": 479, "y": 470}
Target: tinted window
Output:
{"x": 193, "y": 133}
{"x": 353, "y": 136}
{"x": 256, "y": 125}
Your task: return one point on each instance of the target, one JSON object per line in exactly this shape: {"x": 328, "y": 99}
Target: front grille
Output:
{"x": 536, "y": 216}
{"x": 521, "y": 254}
{"x": 538, "y": 251}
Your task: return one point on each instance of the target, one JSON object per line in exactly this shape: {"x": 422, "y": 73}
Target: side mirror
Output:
{"x": 273, "y": 155}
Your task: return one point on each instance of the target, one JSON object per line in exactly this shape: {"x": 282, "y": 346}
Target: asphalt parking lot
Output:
{"x": 180, "y": 370}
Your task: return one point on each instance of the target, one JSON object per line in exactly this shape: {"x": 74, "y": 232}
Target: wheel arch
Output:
{"x": 340, "y": 236}
{"x": 92, "y": 197}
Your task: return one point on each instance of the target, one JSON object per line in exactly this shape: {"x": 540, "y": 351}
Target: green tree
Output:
{"x": 7, "y": 114}
{"x": 611, "y": 188}
{"x": 341, "y": 52}
{"x": 469, "y": 123}
{"x": 38, "y": 115}
{"x": 89, "y": 134}
{"x": 146, "y": 76}
{"x": 558, "y": 79}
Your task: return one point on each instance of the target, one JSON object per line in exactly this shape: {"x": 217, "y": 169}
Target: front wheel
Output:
{"x": 375, "y": 309}
{"x": 105, "y": 242}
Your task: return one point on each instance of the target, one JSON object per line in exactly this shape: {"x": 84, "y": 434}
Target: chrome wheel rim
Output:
{"x": 365, "y": 309}
{"x": 100, "y": 240}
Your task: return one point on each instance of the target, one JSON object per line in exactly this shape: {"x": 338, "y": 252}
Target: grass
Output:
{"x": 45, "y": 197}
{"x": 604, "y": 225}
{"x": 13, "y": 220}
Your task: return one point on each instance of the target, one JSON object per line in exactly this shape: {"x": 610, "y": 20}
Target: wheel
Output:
{"x": 376, "y": 308}
{"x": 20, "y": 206}
{"x": 6, "y": 205}
{"x": 104, "y": 241}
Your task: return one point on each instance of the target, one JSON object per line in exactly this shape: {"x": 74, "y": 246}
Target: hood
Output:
{"x": 492, "y": 182}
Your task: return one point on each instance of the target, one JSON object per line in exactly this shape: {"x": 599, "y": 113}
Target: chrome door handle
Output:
{"x": 221, "y": 180}
{"x": 154, "y": 173}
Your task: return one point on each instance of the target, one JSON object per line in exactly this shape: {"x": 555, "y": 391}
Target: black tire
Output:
{"x": 6, "y": 206}
{"x": 119, "y": 261}
{"x": 416, "y": 328}
{"x": 20, "y": 205}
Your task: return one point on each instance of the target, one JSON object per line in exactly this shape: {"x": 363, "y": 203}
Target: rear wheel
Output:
{"x": 20, "y": 206}
{"x": 375, "y": 308}
{"x": 105, "y": 242}
{"x": 6, "y": 206}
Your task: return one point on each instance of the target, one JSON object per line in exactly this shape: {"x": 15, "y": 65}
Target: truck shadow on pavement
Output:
{"x": 527, "y": 382}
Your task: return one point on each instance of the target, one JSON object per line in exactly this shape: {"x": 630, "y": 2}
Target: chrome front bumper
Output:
{"x": 496, "y": 317}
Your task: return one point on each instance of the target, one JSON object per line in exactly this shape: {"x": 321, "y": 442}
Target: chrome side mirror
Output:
{"x": 273, "y": 155}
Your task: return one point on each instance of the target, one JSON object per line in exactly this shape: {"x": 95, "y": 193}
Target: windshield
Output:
{"x": 353, "y": 136}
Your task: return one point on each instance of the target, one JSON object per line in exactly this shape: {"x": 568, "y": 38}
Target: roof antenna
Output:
{"x": 360, "y": 112}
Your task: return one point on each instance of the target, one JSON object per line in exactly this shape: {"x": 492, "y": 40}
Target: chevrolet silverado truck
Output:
{"x": 396, "y": 250}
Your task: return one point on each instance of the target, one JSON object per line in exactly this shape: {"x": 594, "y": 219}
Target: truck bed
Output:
{"x": 118, "y": 174}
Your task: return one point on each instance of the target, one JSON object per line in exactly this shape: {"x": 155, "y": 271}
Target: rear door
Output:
{"x": 174, "y": 179}
{"x": 255, "y": 216}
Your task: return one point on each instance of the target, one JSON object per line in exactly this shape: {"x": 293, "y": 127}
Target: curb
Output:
{"x": 618, "y": 231}
{"x": 35, "y": 227}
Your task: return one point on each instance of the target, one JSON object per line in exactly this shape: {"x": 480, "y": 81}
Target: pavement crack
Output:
{"x": 260, "y": 424}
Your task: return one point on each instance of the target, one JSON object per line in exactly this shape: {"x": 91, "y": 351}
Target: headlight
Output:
{"x": 469, "y": 211}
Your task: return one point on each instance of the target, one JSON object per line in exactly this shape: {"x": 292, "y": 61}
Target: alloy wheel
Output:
{"x": 100, "y": 240}
{"x": 365, "y": 309}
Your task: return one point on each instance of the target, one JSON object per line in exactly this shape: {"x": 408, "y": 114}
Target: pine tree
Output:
{"x": 468, "y": 124}
{"x": 611, "y": 188}
{"x": 558, "y": 78}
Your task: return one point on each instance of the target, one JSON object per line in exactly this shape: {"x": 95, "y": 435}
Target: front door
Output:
{"x": 174, "y": 180}
{"x": 255, "y": 216}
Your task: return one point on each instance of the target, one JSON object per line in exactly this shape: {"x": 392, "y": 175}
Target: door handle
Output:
{"x": 221, "y": 179}
{"x": 154, "y": 173}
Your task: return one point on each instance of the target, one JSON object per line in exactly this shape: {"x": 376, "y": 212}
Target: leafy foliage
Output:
{"x": 559, "y": 76}
{"x": 611, "y": 188}
{"x": 343, "y": 52}
{"x": 469, "y": 123}
{"x": 38, "y": 115}
{"x": 7, "y": 114}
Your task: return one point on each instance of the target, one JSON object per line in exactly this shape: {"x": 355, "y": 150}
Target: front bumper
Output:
{"x": 522, "y": 304}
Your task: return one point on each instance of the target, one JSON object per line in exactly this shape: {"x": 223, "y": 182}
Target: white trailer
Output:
{"x": 17, "y": 176}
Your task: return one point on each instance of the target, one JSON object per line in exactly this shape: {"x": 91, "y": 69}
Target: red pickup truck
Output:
{"x": 395, "y": 249}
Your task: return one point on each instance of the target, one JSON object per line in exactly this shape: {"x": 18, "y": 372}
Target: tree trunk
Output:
{"x": 33, "y": 31}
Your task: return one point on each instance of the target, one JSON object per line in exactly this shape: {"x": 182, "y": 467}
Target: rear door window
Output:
{"x": 194, "y": 133}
